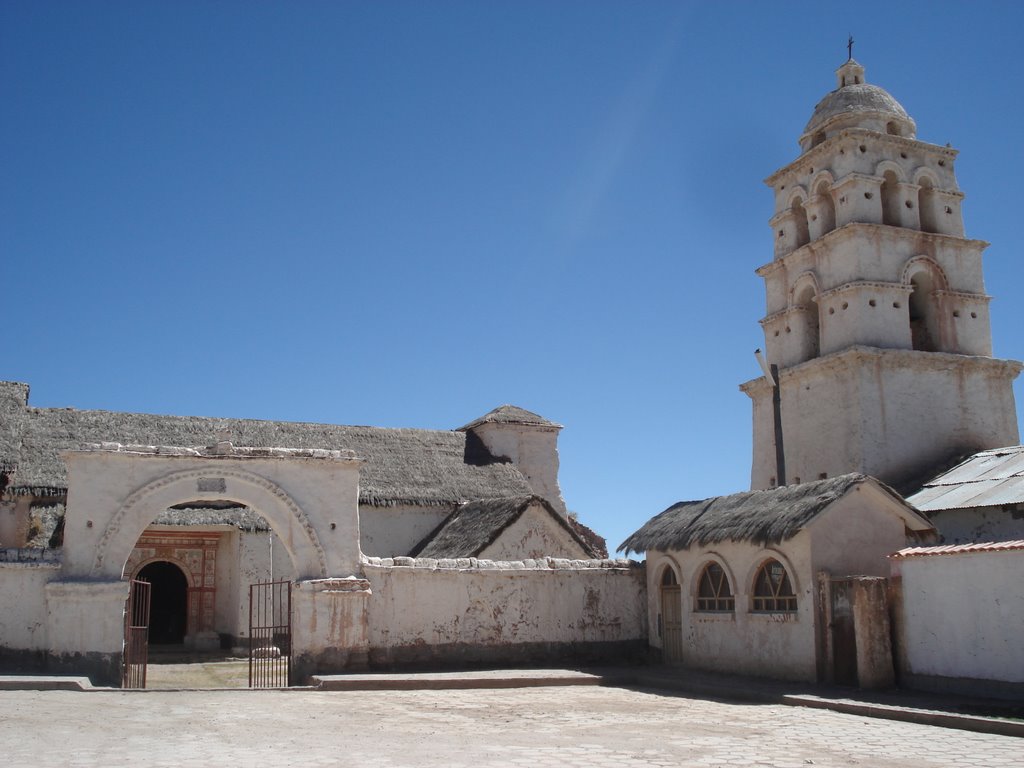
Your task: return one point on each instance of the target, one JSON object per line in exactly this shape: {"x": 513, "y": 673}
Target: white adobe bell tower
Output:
{"x": 877, "y": 317}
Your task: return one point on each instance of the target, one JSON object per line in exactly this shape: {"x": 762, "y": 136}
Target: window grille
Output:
{"x": 773, "y": 591}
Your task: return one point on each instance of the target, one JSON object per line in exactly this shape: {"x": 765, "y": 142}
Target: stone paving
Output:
{"x": 530, "y": 727}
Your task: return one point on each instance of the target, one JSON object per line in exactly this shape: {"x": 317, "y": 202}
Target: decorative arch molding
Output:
{"x": 889, "y": 165}
{"x": 703, "y": 562}
{"x": 923, "y": 174}
{"x": 808, "y": 277}
{"x": 796, "y": 192}
{"x": 919, "y": 264}
{"x": 762, "y": 557}
{"x": 181, "y": 566}
{"x": 264, "y": 496}
{"x": 670, "y": 563}
{"x": 823, "y": 176}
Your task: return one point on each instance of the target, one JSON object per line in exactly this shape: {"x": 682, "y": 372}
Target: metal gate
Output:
{"x": 270, "y": 634}
{"x": 136, "y": 635}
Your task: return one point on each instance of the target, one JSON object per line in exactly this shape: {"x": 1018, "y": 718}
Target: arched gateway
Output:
{"x": 308, "y": 497}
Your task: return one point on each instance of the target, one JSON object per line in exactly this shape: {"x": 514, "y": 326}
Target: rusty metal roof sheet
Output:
{"x": 987, "y": 479}
{"x": 959, "y": 549}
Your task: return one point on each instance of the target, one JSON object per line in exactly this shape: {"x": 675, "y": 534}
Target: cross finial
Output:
{"x": 849, "y": 48}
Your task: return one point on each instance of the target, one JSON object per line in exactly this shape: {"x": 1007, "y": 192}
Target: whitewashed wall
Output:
{"x": 974, "y": 524}
{"x": 479, "y": 611}
{"x": 394, "y": 531}
{"x": 777, "y": 645}
{"x": 252, "y": 553}
{"x": 23, "y": 603}
{"x": 961, "y": 622}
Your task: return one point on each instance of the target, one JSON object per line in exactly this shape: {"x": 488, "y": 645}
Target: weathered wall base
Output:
{"x": 470, "y": 656}
{"x": 964, "y": 686}
{"x": 100, "y": 668}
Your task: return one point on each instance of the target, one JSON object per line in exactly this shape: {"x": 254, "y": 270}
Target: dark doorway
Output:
{"x": 168, "y": 603}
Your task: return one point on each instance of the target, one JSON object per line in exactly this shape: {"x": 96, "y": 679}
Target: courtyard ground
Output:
{"x": 530, "y": 727}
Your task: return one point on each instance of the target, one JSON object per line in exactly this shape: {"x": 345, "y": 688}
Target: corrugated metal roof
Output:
{"x": 987, "y": 479}
{"x": 959, "y": 549}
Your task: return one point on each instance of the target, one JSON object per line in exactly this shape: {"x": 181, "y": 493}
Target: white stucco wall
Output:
{"x": 473, "y": 604}
{"x": 394, "y": 531}
{"x": 534, "y": 451}
{"x": 534, "y": 534}
{"x": 777, "y": 645}
{"x": 23, "y": 615}
{"x": 902, "y": 412}
{"x": 856, "y": 534}
{"x": 974, "y": 524}
{"x": 243, "y": 559}
{"x": 962, "y": 615}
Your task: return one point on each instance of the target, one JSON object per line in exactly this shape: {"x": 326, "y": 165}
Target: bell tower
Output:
{"x": 877, "y": 318}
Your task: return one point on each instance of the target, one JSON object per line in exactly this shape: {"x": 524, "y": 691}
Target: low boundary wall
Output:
{"x": 472, "y": 613}
{"x": 959, "y": 615}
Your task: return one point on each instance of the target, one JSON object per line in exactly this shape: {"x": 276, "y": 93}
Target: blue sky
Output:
{"x": 408, "y": 213}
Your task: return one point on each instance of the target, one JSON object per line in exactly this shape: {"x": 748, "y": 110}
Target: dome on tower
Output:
{"x": 856, "y": 104}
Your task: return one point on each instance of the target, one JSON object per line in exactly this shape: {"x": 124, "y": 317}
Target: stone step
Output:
{"x": 499, "y": 678}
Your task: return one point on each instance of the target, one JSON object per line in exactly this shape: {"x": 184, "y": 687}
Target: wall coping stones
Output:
{"x": 477, "y": 564}
{"x": 37, "y": 557}
{"x": 224, "y": 450}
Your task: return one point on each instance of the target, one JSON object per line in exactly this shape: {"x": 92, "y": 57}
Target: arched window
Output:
{"x": 890, "y": 199}
{"x": 819, "y": 137}
{"x": 773, "y": 591}
{"x": 713, "y": 591}
{"x": 892, "y": 129}
{"x": 800, "y": 223}
{"x": 668, "y": 578}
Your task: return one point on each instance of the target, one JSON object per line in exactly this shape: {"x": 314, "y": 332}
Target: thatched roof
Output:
{"x": 511, "y": 414}
{"x": 45, "y": 525}
{"x": 763, "y": 517}
{"x": 402, "y": 466}
{"x": 242, "y": 518}
{"x": 474, "y": 526}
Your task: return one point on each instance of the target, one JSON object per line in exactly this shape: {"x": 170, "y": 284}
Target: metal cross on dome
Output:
{"x": 849, "y": 47}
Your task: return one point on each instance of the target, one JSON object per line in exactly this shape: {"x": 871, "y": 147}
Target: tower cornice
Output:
{"x": 854, "y": 228}
{"x": 822, "y": 152}
{"x": 907, "y": 358}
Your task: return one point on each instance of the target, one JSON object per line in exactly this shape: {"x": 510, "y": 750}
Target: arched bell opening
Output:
{"x": 827, "y": 211}
{"x": 926, "y": 203}
{"x": 924, "y": 334}
{"x": 805, "y": 300}
{"x": 800, "y": 222}
{"x": 890, "y": 199}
